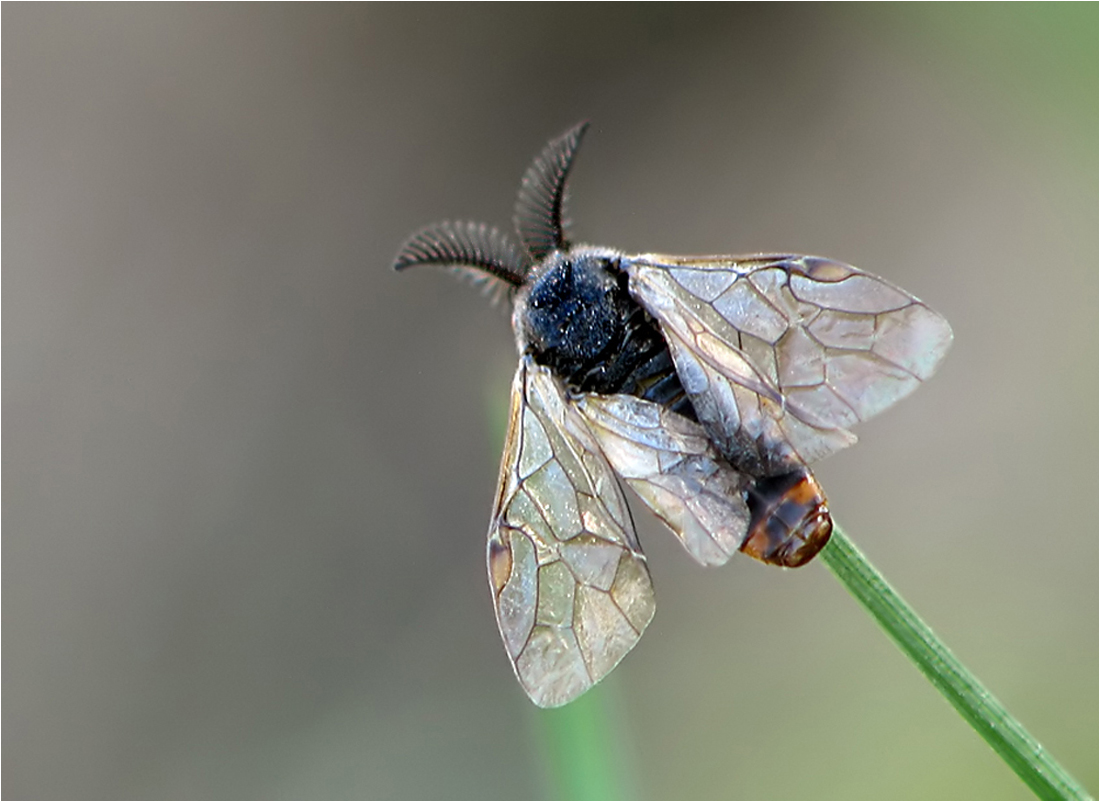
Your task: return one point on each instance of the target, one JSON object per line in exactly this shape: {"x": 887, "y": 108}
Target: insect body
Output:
{"x": 706, "y": 384}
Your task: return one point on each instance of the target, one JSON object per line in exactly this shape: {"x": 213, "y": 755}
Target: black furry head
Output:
{"x": 572, "y": 315}
{"x": 573, "y": 311}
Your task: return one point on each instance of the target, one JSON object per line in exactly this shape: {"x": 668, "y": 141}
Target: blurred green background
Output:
{"x": 247, "y": 469}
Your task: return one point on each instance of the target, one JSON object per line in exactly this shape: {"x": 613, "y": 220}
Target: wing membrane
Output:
{"x": 570, "y": 583}
{"x": 671, "y": 464}
{"x": 804, "y": 346}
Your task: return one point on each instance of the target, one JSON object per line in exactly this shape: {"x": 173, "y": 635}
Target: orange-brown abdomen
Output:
{"x": 790, "y": 519}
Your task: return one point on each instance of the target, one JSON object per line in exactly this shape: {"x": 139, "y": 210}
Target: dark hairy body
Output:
{"x": 579, "y": 320}
{"x": 577, "y": 317}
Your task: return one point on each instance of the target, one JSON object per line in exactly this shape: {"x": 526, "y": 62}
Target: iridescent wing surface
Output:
{"x": 570, "y": 583}
{"x": 670, "y": 462}
{"x": 791, "y": 350}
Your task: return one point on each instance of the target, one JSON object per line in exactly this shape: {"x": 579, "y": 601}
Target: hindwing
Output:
{"x": 670, "y": 462}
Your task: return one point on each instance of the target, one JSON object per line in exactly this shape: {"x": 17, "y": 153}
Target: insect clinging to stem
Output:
{"x": 707, "y": 384}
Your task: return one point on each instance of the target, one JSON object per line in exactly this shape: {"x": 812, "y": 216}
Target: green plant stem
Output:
{"x": 997, "y": 726}
{"x": 584, "y": 749}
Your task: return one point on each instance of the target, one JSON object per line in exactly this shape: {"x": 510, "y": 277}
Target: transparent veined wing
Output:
{"x": 570, "y": 584}
{"x": 799, "y": 345}
{"x": 670, "y": 462}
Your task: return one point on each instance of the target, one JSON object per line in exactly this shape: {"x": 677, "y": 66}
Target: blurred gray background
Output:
{"x": 247, "y": 469}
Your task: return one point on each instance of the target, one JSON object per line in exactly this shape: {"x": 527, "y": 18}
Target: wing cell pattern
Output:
{"x": 795, "y": 347}
{"x": 570, "y": 584}
{"x": 669, "y": 461}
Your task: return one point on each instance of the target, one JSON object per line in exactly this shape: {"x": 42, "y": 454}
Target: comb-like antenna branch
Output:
{"x": 538, "y": 215}
{"x": 469, "y": 245}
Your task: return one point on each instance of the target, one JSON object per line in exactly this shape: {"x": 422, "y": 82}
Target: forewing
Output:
{"x": 570, "y": 584}
{"x": 670, "y": 462}
{"x": 814, "y": 345}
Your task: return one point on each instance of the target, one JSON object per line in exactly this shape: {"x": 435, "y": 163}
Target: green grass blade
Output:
{"x": 584, "y": 750}
{"x": 997, "y": 726}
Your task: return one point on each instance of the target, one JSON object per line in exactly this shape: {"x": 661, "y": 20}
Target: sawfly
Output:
{"x": 707, "y": 384}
